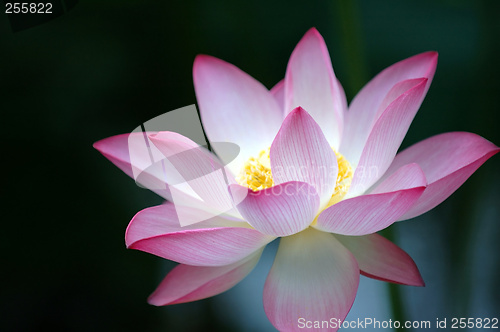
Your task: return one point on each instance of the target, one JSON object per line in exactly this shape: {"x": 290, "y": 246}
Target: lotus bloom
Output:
{"x": 322, "y": 176}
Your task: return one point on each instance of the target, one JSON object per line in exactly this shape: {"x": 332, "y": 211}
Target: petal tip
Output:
{"x": 297, "y": 113}
{"x": 203, "y": 61}
{"x": 418, "y": 281}
{"x": 128, "y": 243}
{"x": 313, "y": 32}
{"x": 298, "y": 110}
{"x": 153, "y": 300}
{"x": 432, "y": 59}
{"x": 200, "y": 58}
{"x": 102, "y": 145}
{"x": 431, "y": 56}
{"x": 97, "y": 145}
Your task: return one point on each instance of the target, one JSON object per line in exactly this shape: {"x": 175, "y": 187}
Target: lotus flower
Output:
{"x": 322, "y": 176}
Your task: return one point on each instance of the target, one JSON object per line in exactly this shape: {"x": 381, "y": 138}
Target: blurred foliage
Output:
{"x": 105, "y": 67}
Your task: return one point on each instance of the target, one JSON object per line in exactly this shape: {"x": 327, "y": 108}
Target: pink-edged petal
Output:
{"x": 199, "y": 168}
{"x": 386, "y": 137}
{"x": 406, "y": 177}
{"x": 381, "y": 259}
{"x": 135, "y": 155}
{"x": 366, "y": 106}
{"x": 371, "y": 213}
{"x": 213, "y": 242}
{"x": 313, "y": 277}
{"x": 447, "y": 161}
{"x": 186, "y": 283}
{"x": 281, "y": 210}
{"x": 235, "y": 108}
{"x": 300, "y": 152}
{"x": 118, "y": 149}
{"x": 278, "y": 91}
{"x": 311, "y": 83}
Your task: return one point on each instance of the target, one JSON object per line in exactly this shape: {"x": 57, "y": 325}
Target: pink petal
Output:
{"x": 202, "y": 170}
{"x": 386, "y": 137}
{"x": 381, "y": 259}
{"x": 281, "y": 210}
{"x": 186, "y": 283}
{"x": 365, "y": 107}
{"x": 278, "y": 91}
{"x": 311, "y": 83}
{"x": 213, "y": 242}
{"x": 447, "y": 161}
{"x": 234, "y": 107}
{"x": 371, "y": 213}
{"x": 313, "y": 277}
{"x": 147, "y": 166}
{"x": 300, "y": 152}
{"x": 406, "y": 177}
{"x": 118, "y": 148}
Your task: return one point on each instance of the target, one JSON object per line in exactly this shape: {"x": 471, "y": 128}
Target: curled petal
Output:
{"x": 300, "y": 152}
{"x": 386, "y": 137}
{"x": 313, "y": 277}
{"x": 281, "y": 210}
{"x": 381, "y": 259}
{"x": 406, "y": 177}
{"x": 213, "y": 242}
{"x": 186, "y": 283}
{"x": 311, "y": 83}
{"x": 366, "y": 107}
{"x": 371, "y": 213}
{"x": 447, "y": 161}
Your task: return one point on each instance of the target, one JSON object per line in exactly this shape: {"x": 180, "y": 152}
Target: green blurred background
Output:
{"x": 105, "y": 67}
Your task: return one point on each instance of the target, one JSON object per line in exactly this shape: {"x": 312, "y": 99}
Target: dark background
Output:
{"x": 105, "y": 67}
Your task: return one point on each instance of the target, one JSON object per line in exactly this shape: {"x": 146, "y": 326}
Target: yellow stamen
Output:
{"x": 256, "y": 175}
{"x": 344, "y": 178}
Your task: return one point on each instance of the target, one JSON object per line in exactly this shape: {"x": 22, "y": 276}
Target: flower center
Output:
{"x": 344, "y": 179}
{"x": 256, "y": 175}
